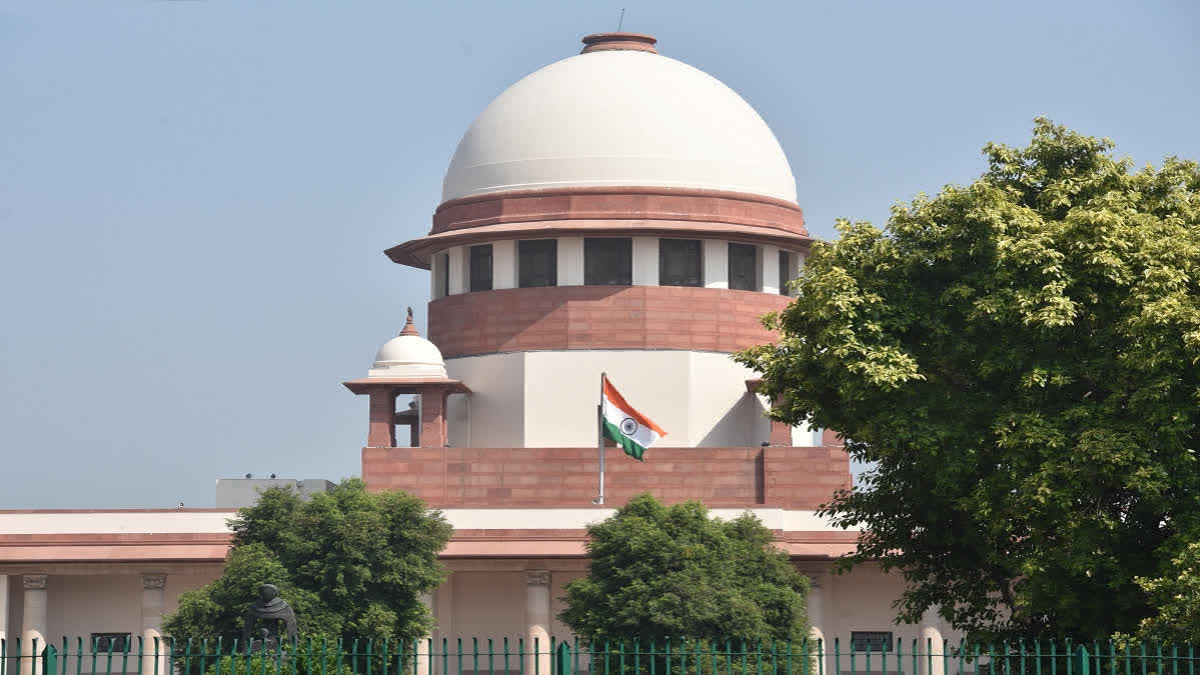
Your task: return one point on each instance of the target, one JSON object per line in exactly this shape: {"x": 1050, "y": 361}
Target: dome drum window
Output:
{"x": 680, "y": 262}
{"x": 537, "y": 263}
{"x": 614, "y": 261}
{"x": 607, "y": 262}
{"x": 743, "y": 267}
{"x": 480, "y": 271}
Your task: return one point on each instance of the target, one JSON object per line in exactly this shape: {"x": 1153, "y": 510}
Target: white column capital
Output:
{"x": 537, "y": 577}
{"x": 34, "y": 582}
{"x": 152, "y": 581}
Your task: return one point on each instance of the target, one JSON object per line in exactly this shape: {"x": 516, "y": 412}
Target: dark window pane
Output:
{"x": 116, "y": 642}
{"x": 871, "y": 641}
{"x": 444, "y": 282}
{"x": 481, "y": 268}
{"x": 742, "y": 261}
{"x": 608, "y": 262}
{"x": 679, "y": 262}
{"x": 537, "y": 263}
{"x": 785, "y": 269}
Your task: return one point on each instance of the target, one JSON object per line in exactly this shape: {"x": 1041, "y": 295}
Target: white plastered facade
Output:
{"x": 547, "y": 399}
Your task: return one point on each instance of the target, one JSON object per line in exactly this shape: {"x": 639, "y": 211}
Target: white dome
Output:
{"x": 619, "y": 118}
{"x": 408, "y": 356}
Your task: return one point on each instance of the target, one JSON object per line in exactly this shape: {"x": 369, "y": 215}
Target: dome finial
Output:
{"x": 409, "y": 327}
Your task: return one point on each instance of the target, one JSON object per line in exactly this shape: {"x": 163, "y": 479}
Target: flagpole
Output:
{"x": 600, "y": 438}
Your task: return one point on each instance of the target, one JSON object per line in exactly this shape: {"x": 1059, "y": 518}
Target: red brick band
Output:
{"x": 608, "y": 212}
{"x": 629, "y": 203}
{"x": 786, "y": 477}
{"x": 600, "y": 317}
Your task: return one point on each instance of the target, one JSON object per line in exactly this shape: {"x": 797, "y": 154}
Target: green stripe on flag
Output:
{"x": 632, "y": 449}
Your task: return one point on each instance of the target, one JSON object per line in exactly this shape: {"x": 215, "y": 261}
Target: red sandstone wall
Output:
{"x": 600, "y": 317}
{"x": 605, "y": 203}
{"x": 798, "y": 478}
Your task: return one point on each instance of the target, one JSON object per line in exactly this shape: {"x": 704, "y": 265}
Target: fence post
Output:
{"x": 1084, "y": 661}
{"x": 50, "y": 660}
{"x": 562, "y": 665}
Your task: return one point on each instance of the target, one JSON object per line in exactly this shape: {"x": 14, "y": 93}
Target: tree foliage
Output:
{"x": 1175, "y": 597}
{"x": 1017, "y": 358}
{"x": 351, "y": 563}
{"x": 657, "y": 572}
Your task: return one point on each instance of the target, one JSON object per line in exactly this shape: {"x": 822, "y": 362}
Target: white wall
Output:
{"x": 179, "y": 583}
{"x": 558, "y": 583}
{"x": 562, "y": 389}
{"x": 79, "y": 605}
{"x": 492, "y": 416}
{"x": 720, "y": 412}
{"x": 489, "y": 605}
{"x": 548, "y": 398}
{"x": 862, "y": 601}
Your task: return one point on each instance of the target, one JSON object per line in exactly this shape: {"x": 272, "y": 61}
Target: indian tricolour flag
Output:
{"x": 627, "y": 427}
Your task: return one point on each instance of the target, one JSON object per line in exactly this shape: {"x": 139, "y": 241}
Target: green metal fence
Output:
{"x": 555, "y": 657}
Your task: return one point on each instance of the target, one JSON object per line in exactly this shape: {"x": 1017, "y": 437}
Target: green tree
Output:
{"x": 351, "y": 563}
{"x": 657, "y": 572}
{"x": 1017, "y": 360}
{"x": 1175, "y": 598}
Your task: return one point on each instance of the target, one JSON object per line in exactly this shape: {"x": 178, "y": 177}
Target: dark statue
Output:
{"x": 270, "y": 609}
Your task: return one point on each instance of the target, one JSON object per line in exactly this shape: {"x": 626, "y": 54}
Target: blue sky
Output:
{"x": 195, "y": 195}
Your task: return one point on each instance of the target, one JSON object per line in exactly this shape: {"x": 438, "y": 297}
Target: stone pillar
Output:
{"x": 433, "y": 418}
{"x": 422, "y": 655}
{"x": 931, "y": 643}
{"x": 435, "y": 276}
{"x": 443, "y": 611}
{"x": 781, "y": 433}
{"x": 4, "y": 607}
{"x": 458, "y": 270}
{"x": 645, "y": 261}
{"x": 716, "y": 264}
{"x": 154, "y": 658}
{"x": 33, "y": 622}
{"x": 818, "y": 600}
{"x": 537, "y": 622}
{"x": 504, "y": 264}
{"x": 381, "y": 429}
{"x": 768, "y": 268}
{"x": 570, "y": 265}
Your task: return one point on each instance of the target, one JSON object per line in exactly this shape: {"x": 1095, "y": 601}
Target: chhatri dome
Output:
{"x": 619, "y": 114}
{"x": 408, "y": 355}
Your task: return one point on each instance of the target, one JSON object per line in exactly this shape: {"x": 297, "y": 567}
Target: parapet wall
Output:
{"x": 786, "y": 477}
